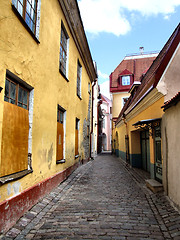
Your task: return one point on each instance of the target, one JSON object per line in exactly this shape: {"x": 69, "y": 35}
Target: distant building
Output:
{"x": 106, "y": 107}
{"x": 127, "y": 74}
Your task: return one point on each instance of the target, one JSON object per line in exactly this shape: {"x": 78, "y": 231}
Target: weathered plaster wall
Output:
{"x": 171, "y": 153}
{"x": 38, "y": 65}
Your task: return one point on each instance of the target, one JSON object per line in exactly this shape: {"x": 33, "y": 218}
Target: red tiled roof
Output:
{"x": 134, "y": 66}
{"x": 154, "y": 73}
{"x": 125, "y": 72}
{"x": 173, "y": 101}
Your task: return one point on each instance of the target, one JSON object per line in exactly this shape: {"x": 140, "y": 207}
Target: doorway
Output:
{"x": 145, "y": 150}
{"x": 158, "y": 158}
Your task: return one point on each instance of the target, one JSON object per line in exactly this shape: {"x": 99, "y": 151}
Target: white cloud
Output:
{"x": 103, "y": 16}
{"x": 104, "y": 89}
{"x": 103, "y": 75}
{"x": 108, "y": 15}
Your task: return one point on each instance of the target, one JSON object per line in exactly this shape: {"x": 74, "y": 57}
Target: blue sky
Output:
{"x": 115, "y": 28}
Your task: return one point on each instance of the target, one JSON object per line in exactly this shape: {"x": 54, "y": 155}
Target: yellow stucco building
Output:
{"x": 141, "y": 128}
{"x": 46, "y": 76}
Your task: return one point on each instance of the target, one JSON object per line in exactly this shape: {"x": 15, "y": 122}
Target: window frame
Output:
{"x": 61, "y": 112}
{"x": 18, "y": 85}
{"x": 35, "y": 19}
{"x": 129, "y": 79}
{"x": 64, "y": 47}
{"x": 79, "y": 78}
{"x": 17, "y": 175}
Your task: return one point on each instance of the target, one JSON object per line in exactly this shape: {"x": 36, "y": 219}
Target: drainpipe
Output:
{"x": 124, "y": 120}
{"x": 126, "y": 139}
{"x": 92, "y": 113}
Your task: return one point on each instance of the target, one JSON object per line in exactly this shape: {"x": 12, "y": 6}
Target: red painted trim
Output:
{"x": 12, "y": 209}
{"x": 125, "y": 72}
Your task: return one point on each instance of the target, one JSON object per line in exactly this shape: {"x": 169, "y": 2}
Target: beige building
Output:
{"x": 170, "y": 86}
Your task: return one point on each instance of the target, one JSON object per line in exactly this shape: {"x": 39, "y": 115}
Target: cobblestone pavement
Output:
{"x": 103, "y": 199}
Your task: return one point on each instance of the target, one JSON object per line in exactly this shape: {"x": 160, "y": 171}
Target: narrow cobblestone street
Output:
{"x": 103, "y": 199}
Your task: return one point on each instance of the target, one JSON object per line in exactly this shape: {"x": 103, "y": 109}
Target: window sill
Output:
{"x": 24, "y": 23}
{"x": 60, "y": 161}
{"x": 64, "y": 76}
{"x": 14, "y": 176}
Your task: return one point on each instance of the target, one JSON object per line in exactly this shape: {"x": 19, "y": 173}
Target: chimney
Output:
{"x": 141, "y": 49}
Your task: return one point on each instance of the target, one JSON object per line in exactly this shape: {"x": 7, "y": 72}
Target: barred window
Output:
{"x": 28, "y": 10}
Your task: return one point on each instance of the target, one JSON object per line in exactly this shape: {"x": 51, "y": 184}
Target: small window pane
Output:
{"x": 20, "y": 95}
{"x": 12, "y": 101}
{"x": 20, "y": 7}
{"x": 58, "y": 116}
{"x": 125, "y": 80}
{"x": 7, "y": 88}
{"x": 61, "y": 117}
{"x": 25, "y": 97}
{"x": 20, "y": 104}
{"x": 6, "y": 99}
{"x": 28, "y": 8}
{"x": 14, "y": 2}
{"x": 13, "y": 91}
{"x": 24, "y": 106}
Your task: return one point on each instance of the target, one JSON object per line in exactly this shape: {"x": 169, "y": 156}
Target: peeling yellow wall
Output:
{"x": 38, "y": 65}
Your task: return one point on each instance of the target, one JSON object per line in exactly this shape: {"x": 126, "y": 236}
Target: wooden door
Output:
{"x": 145, "y": 151}
{"x": 60, "y": 135}
{"x": 77, "y": 137}
{"x": 15, "y": 131}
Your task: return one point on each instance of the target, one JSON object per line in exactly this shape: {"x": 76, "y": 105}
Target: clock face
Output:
{"x": 125, "y": 80}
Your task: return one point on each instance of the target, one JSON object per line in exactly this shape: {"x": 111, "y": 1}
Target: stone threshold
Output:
{"x": 154, "y": 185}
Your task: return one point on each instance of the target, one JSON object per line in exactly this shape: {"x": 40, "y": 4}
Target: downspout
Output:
{"x": 92, "y": 113}
{"x": 124, "y": 120}
{"x": 126, "y": 140}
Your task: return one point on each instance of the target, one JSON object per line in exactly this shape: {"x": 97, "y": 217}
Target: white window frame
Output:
{"x": 14, "y": 3}
{"x": 126, "y": 80}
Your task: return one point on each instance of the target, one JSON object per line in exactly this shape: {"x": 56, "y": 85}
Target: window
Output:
{"x": 16, "y": 148}
{"x": 29, "y": 11}
{"x": 124, "y": 100}
{"x": 125, "y": 80}
{"x": 63, "y": 51}
{"x": 60, "y": 135}
{"x": 79, "y": 72}
{"x": 77, "y": 138}
{"x": 16, "y": 94}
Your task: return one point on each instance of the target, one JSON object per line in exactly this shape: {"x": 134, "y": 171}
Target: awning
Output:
{"x": 148, "y": 124}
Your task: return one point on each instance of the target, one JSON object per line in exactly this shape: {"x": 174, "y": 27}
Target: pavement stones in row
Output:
{"x": 103, "y": 199}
